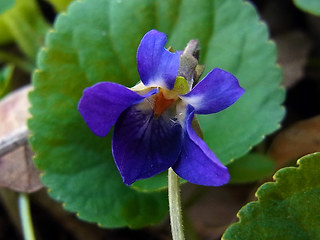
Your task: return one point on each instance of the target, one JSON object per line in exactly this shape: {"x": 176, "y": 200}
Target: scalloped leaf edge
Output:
{"x": 272, "y": 185}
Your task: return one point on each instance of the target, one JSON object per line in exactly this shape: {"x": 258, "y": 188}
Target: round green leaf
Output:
{"x": 310, "y": 6}
{"x": 287, "y": 209}
{"x": 96, "y": 40}
{"x": 250, "y": 168}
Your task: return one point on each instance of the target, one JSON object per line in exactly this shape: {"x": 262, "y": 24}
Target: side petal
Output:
{"x": 144, "y": 145}
{"x": 218, "y": 90}
{"x": 101, "y": 105}
{"x": 197, "y": 163}
{"x": 157, "y": 66}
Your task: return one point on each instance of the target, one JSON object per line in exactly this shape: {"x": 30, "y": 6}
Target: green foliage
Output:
{"x": 5, "y": 79}
{"x": 5, "y": 5}
{"x": 310, "y": 6}
{"x": 25, "y": 25}
{"x": 60, "y": 5}
{"x": 238, "y": 42}
{"x": 78, "y": 165}
{"x": 156, "y": 183}
{"x": 250, "y": 168}
{"x": 287, "y": 209}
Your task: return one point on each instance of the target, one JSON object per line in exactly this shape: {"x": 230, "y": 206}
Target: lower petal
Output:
{"x": 144, "y": 145}
{"x": 197, "y": 163}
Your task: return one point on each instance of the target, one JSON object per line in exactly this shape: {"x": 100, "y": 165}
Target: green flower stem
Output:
{"x": 25, "y": 217}
{"x": 175, "y": 206}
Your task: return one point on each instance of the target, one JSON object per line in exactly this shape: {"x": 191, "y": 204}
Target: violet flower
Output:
{"x": 153, "y": 120}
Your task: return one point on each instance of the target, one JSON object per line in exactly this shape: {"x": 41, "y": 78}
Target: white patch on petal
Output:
{"x": 181, "y": 109}
{"x": 194, "y": 101}
{"x": 158, "y": 82}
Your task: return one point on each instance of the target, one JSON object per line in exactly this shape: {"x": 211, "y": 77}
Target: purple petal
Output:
{"x": 144, "y": 145}
{"x": 102, "y": 104}
{"x": 197, "y": 163}
{"x": 157, "y": 66}
{"x": 218, "y": 90}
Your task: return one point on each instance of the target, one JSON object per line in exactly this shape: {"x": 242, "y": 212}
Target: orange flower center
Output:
{"x": 162, "y": 103}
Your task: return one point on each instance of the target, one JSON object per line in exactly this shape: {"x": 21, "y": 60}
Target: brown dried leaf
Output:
{"x": 208, "y": 211}
{"x": 296, "y": 141}
{"x": 14, "y": 111}
{"x": 293, "y": 48}
{"x": 17, "y": 170}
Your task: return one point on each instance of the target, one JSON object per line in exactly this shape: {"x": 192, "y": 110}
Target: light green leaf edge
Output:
{"x": 309, "y": 6}
{"x": 287, "y": 209}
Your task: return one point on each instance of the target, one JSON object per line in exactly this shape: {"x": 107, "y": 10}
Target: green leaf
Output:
{"x": 25, "y": 25}
{"x": 60, "y": 5}
{"x": 250, "y": 168}
{"x": 310, "y": 6}
{"x": 287, "y": 209}
{"x": 239, "y": 43}
{"x": 5, "y": 5}
{"x": 78, "y": 165}
{"x": 156, "y": 183}
{"x": 5, "y": 79}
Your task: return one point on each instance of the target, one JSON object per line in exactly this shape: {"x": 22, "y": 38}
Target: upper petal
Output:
{"x": 144, "y": 145}
{"x": 197, "y": 163}
{"x": 102, "y": 104}
{"x": 218, "y": 90}
{"x": 157, "y": 66}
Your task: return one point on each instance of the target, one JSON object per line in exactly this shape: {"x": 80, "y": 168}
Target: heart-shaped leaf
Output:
{"x": 96, "y": 40}
{"x": 287, "y": 209}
